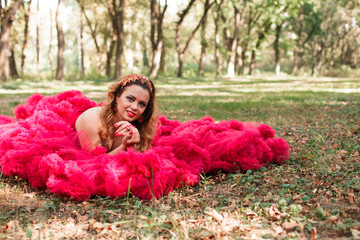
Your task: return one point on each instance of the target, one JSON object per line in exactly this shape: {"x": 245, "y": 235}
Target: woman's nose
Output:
{"x": 134, "y": 106}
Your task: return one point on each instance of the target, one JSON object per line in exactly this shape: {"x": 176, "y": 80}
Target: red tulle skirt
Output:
{"x": 42, "y": 146}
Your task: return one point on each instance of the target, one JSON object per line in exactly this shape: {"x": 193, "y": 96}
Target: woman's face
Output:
{"x": 132, "y": 103}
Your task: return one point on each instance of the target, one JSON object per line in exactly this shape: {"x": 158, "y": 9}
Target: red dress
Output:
{"x": 42, "y": 147}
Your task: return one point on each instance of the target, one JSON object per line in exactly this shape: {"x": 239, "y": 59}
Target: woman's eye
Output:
{"x": 130, "y": 99}
{"x": 142, "y": 104}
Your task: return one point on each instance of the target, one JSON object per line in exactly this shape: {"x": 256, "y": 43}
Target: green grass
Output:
{"x": 315, "y": 192}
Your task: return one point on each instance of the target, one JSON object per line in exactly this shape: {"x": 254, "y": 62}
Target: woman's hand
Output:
{"x": 129, "y": 133}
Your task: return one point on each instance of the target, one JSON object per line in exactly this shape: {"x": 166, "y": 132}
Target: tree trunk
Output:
{"x": 26, "y": 36}
{"x": 37, "y": 38}
{"x": 82, "y": 64}
{"x": 61, "y": 41}
{"x": 238, "y": 60}
{"x": 5, "y": 51}
{"x": 157, "y": 42}
{"x": 277, "y": 48}
{"x": 181, "y": 52}
{"x": 231, "y": 61}
{"x": 203, "y": 45}
{"x": 261, "y": 38}
{"x": 13, "y": 70}
{"x": 93, "y": 33}
{"x": 218, "y": 57}
{"x": 50, "y": 45}
{"x": 162, "y": 60}
{"x": 119, "y": 16}
{"x": 298, "y": 41}
{"x": 252, "y": 62}
{"x": 109, "y": 54}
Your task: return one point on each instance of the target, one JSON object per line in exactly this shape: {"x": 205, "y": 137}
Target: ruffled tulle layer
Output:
{"x": 42, "y": 147}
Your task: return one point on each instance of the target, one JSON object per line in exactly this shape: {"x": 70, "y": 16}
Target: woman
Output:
{"x": 126, "y": 119}
{"x": 41, "y": 145}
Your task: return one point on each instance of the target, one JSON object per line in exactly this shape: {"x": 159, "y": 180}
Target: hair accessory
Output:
{"x": 133, "y": 78}
{"x": 140, "y": 119}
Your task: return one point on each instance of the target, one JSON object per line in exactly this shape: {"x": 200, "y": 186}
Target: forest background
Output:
{"x": 98, "y": 38}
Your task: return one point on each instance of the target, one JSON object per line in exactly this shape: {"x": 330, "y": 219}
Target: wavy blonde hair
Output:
{"x": 146, "y": 128}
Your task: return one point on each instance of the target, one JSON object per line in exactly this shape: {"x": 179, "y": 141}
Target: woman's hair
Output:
{"x": 146, "y": 128}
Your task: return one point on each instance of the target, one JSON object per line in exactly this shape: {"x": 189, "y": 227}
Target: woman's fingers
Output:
{"x": 123, "y": 127}
{"x": 131, "y": 138}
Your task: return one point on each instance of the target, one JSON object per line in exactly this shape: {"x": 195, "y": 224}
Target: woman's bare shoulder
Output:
{"x": 89, "y": 117}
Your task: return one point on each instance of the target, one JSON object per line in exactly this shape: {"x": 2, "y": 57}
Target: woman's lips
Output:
{"x": 130, "y": 114}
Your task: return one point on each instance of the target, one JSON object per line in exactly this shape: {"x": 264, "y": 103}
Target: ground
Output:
{"x": 313, "y": 195}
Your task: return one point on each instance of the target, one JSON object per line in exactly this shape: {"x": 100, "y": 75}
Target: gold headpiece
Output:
{"x": 133, "y": 78}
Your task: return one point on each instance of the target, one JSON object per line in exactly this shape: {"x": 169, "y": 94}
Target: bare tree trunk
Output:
{"x": 82, "y": 64}
{"x": 7, "y": 18}
{"x": 26, "y": 36}
{"x": 203, "y": 44}
{"x": 37, "y": 38}
{"x": 61, "y": 41}
{"x": 238, "y": 60}
{"x": 180, "y": 55}
{"x": 218, "y": 57}
{"x": 109, "y": 54}
{"x": 162, "y": 60}
{"x": 181, "y": 52}
{"x": 93, "y": 31}
{"x": 157, "y": 42}
{"x": 50, "y": 45}
{"x": 13, "y": 70}
{"x": 231, "y": 61}
{"x": 277, "y": 48}
{"x": 261, "y": 37}
{"x": 298, "y": 43}
{"x": 119, "y": 16}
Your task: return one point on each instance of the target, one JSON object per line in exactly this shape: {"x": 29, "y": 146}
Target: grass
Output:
{"x": 313, "y": 194}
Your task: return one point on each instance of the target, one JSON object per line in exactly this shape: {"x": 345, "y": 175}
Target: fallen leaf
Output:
{"x": 313, "y": 234}
{"x": 251, "y": 214}
{"x": 278, "y": 229}
{"x": 333, "y": 219}
{"x": 29, "y": 195}
{"x": 355, "y": 233}
{"x": 274, "y": 213}
{"x": 288, "y": 226}
{"x": 213, "y": 213}
{"x": 98, "y": 226}
{"x": 351, "y": 197}
{"x": 335, "y": 146}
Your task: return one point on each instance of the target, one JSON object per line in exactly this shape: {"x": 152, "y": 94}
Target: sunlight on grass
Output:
{"x": 317, "y": 188}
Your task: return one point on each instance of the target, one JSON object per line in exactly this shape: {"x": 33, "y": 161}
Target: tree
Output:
{"x": 7, "y": 15}
{"x": 37, "y": 38}
{"x": 306, "y": 26}
{"x": 61, "y": 41}
{"x": 116, "y": 12}
{"x": 27, "y": 10}
{"x": 203, "y": 43}
{"x": 182, "y": 14}
{"x": 157, "y": 38}
{"x": 269, "y": 12}
{"x": 82, "y": 65}
{"x": 250, "y": 18}
{"x": 93, "y": 31}
{"x": 218, "y": 45}
{"x": 50, "y": 45}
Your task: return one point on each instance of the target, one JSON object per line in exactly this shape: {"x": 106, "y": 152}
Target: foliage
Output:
{"x": 328, "y": 38}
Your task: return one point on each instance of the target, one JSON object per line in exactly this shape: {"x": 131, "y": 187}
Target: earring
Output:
{"x": 115, "y": 107}
{"x": 140, "y": 119}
